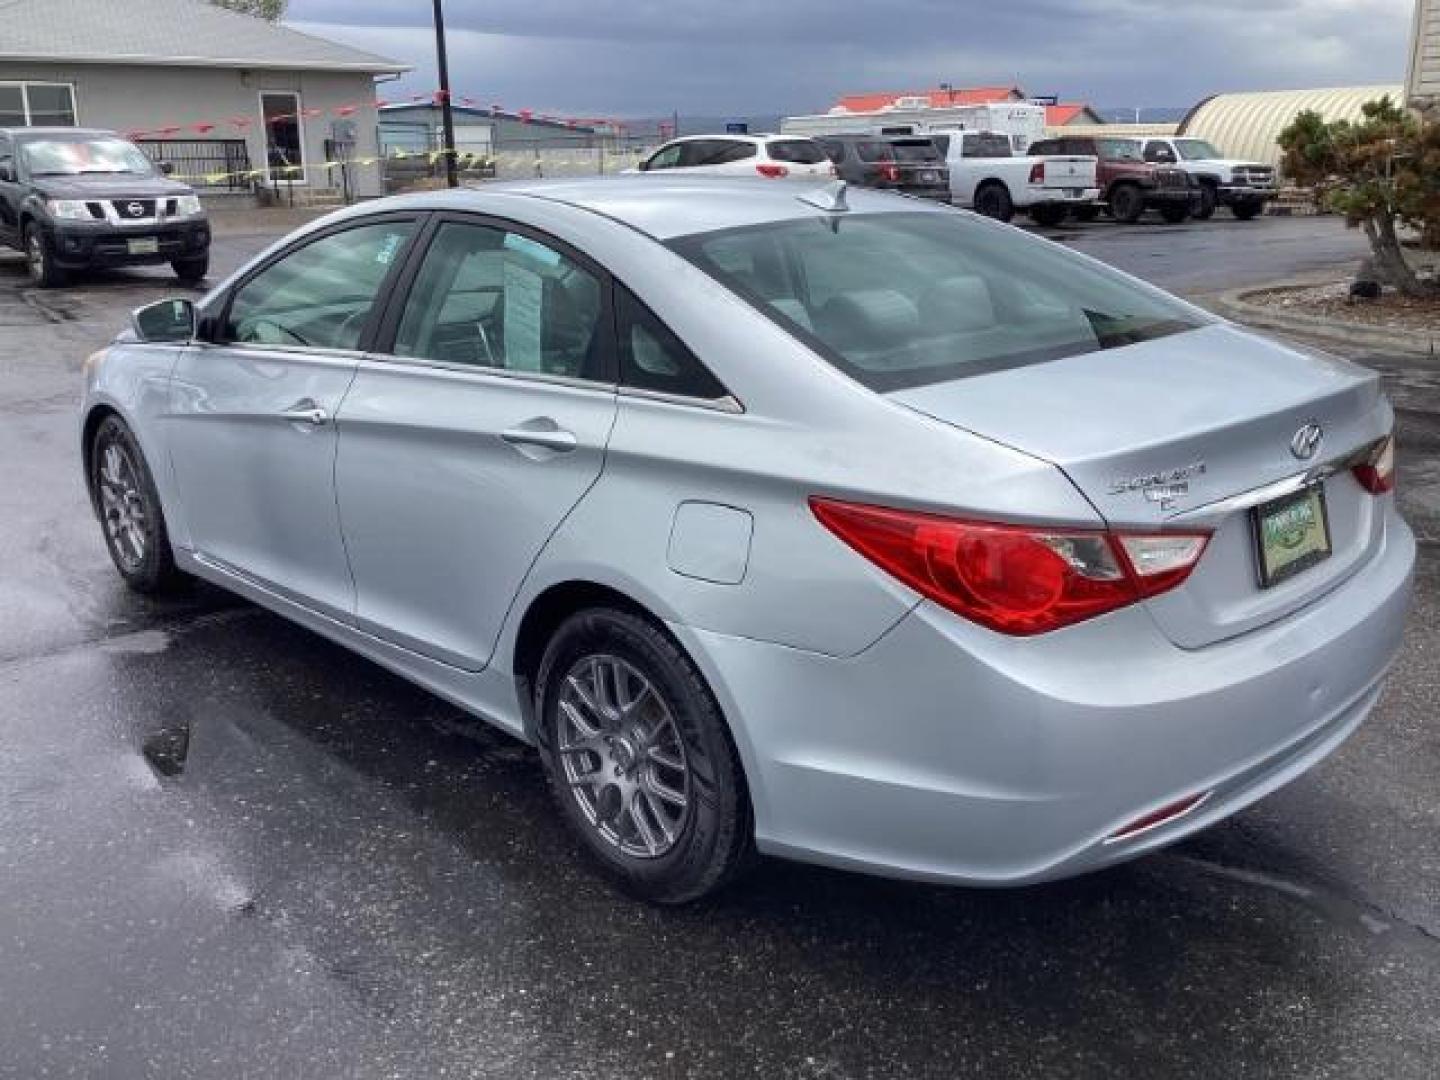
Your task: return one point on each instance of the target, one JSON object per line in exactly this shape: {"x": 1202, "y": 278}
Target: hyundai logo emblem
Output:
{"x": 1307, "y": 441}
{"x": 136, "y": 209}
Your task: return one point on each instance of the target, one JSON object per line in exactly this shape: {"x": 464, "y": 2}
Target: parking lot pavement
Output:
{"x": 230, "y": 849}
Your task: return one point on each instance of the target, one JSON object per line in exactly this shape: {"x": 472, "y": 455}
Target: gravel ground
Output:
{"x": 1333, "y": 302}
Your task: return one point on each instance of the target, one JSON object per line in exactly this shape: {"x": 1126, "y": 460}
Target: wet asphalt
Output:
{"x": 230, "y": 849}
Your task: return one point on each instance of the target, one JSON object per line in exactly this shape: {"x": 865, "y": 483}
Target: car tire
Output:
{"x": 993, "y": 201}
{"x": 131, "y": 519}
{"x": 40, "y": 257}
{"x": 639, "y": 758}
{"x": 191, "y": 271}
{"x": 1175, "y": 214}
{"x": 1127, "y": 203}
{"x": 1209, "y": 199}
{"x": 1085, "y": 214}
{"x": 1247, "y": 209}
{"x": 1048, "y": 216}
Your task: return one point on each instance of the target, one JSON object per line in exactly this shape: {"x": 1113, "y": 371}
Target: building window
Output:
{"x": 35, "y": 104}
{"x": 284, "y": 137}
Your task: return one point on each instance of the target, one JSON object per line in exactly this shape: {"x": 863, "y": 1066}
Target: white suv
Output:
{"x": 776, "y": 157}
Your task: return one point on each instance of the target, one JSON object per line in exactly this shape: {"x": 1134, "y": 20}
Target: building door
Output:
{"x": 284, "y": 137}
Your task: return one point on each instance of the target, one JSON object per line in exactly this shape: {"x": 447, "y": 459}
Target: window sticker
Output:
{"x": 388, "y": 249}
{"x": 524, "y": 294}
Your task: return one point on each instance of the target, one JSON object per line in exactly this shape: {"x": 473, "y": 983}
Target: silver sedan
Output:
{"x": 827, "y": 524}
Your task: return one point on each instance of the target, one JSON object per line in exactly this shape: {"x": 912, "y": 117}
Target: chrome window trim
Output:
{"x": 727, "y": 404}
{"x": 311, "y": 352}
{"x": 476, "y": 371}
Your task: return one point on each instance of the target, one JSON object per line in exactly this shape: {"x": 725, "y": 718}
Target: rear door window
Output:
{"x": 796, "y": 151}
{"x": 652, "y": 358}
{"x": 914, "y": 150}
{"x": 987, "y": 145}
{"x": 834, "y": 149}
{"x": 873, "y": 150}
{"x": 667, "y": 157}
{"x": 718, "y": 152}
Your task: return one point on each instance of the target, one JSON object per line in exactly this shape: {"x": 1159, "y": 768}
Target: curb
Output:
{"x": 1233, "y": 305}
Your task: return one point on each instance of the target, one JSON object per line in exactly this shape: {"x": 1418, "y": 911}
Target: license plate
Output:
{"x": 145, "y": 245}
{"x": 1074, "y": 193}
{"x": 1292, "y": 534}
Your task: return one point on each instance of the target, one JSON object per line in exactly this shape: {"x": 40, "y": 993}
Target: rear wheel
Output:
{"x": 130, "y": 514}
{"x": 40, "y": 258}
{"x": 993, "y": 201}
{"x": 1049, "y": 215}
{"x": 1247, "y": 209}
{"x": 639, "y": 758}
{"x": 191, "y": 271}
{"x": 1175, "y": 213}
{"x": 1127, "y": 203}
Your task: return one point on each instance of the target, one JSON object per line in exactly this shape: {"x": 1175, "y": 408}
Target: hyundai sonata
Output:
{"x": 821, "y": 523}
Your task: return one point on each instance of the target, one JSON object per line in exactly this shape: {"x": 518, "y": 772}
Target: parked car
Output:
{"x": 910, "y": 165}
{"x": 1129, "y": 184}
{"x": 986, "y": 175}
{"x": 843, "y": 527}
{"x": 1245, "y": 187}
{"x": 73, "y": 198}
{"x": 775, "y": 157}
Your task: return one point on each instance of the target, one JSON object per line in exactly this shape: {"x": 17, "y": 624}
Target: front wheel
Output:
{"x": 129, "y": 509}
{"x": 1048, "y": 215}
{"x": 993, "y": 201}
{"x": 639, "y": 758}
{"x": 40, "y": 258}
{"x": 191, "y": 271}
{"x": 1175, "y": 213}
{"x": 1247, "y": 210}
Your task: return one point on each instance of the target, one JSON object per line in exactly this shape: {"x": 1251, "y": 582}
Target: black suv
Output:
{"x": 72, "y": 198}
{"x": 911, "y": 165}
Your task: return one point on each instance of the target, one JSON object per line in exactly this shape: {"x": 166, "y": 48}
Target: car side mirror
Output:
{"x": 165, "y": 321}
{"x": 7, "y": 172}
{"x": 166, "y": 168}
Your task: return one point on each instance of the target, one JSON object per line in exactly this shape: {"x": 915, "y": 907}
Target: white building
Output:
{"x": 1423, "y": 82}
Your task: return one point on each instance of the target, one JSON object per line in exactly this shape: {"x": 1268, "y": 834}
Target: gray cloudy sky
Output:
{"x": 646, "y": 57}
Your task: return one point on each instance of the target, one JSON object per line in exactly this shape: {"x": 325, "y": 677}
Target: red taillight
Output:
{"x": 1037, "y": 173}
{"x": 774, "y": 172}
{"x": 890, "y": 172}
{"x": 1377, "y": 473}
{"x": 1016, "y": 579}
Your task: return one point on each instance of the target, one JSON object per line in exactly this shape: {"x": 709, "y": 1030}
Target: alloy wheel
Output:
{"x": 122, "y": 506}
{"x": 622, "y": 756}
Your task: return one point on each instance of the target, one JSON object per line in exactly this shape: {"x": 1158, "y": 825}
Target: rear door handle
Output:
{"x": 307, "y": 412}
{"x": 557, "y": 439}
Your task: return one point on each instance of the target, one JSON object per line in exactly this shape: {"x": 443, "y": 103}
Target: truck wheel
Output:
{"x": 1208, "y": 201}
{"x": 41, "y": 259}
{"x": 1175, "y": 213}
{"x": 993, "y": 201}
{"x": 191, "y": 271}
{"x": 1049, "y": 215}
{"x": 1247, "y": 209}
{"x": 1127, "y": 203}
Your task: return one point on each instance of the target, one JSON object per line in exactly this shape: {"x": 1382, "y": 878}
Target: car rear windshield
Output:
{"x": 797, "y": 151}
{"x": 1196, "y": 150}
{"x": 914, "y": 150}
{"x": 873, "y": 150}
{"x": 899, "y": 300}
{"x": 987, "y": 146}
{"x": 1119, "y": 149}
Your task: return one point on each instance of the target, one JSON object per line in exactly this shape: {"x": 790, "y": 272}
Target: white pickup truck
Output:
{"x": 986, "y": 175}
{"x": 1244, "y": 186}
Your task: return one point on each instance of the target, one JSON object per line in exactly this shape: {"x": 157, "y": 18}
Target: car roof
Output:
{"x": 665, "y": 207}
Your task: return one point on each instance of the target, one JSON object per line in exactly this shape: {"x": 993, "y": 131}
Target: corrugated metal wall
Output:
{"x": 1135, "y": 131}
{"x": 1423, "y": 82}
{"x": 1249, "y": 125}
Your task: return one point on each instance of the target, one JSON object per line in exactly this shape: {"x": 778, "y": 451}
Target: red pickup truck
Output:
{"x": 1129, "y": 185}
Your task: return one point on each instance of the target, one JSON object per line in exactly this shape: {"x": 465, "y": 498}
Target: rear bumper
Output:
{"x": 1232, "y": 194}
{"x": 82, "y": 244}
{"x": 1067, "y": 197}
{"x": 949, "y": 753}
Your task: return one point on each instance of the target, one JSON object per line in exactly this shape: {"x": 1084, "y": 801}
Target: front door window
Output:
{"x": 284, "y": 137}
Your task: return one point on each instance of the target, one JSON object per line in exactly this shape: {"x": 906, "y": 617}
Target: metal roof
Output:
{"x": 401, "y": 110}
{"x": 1249, "y": 125}
{"x": 184, "y": 33}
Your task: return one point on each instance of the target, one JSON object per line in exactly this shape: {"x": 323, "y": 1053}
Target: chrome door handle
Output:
{"x": 307, "y": 414}
{"x": 562, "y": 442}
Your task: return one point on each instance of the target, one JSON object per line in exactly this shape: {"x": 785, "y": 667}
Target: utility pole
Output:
{"x": 447, "y": 117}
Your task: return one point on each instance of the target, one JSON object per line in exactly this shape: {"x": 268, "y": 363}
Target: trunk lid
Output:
{"x": 1069, "y": 172}
{"x": 1172, "y": 433}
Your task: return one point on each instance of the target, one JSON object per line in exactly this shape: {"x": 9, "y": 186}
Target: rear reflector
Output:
{"x": 1016, "y": 579}
{"x": 1377, "y": 473}
{"x": 1174, "y": 810}
{"x": 1037, "y": 173}
{"x": 774, "y": 172}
